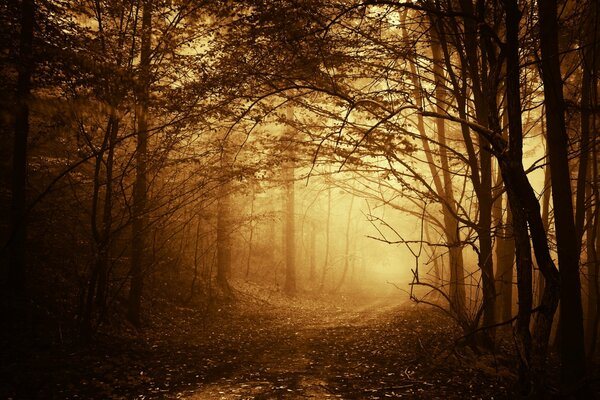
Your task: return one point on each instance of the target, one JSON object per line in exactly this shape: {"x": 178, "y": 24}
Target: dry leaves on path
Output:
{"x": 268, "y": 346}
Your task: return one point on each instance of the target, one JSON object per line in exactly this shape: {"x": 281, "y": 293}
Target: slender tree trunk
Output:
{"x": 525, "y": 295}
{"x": 572, "y": 351}
{"x": 485, "y": 255}
{"x": 595, "y": 273}
{"x": 444, "y": 189}
{"x": 592, "y": 262}
{"x": 526, "y": 211}
{"x": 97, "y": 286}
{"x": 438, "y": 277}
{"x": 480, "y": 165}
{"x": 587, "y": 178}
{"x": 505, "y": 244}
{"x": 313, "y": 252}
{"x": 290, "y": 212}
{"x": 546, "y": 221}
{"x": 327, "y": 229}
{"x": 104, "y": 253}
{"x": 451, "y": 226}
{"x": 140, "y": 189}
{"x": 593, "y": 244}
{"x": 251, "y": 235}
{"x": 197, "y": 245}
{"x": 505, "y": 256}
{"x": 223, "y": 232}
{"x": 347, "y": 250}
{"x": 17, "y": 245}
{"x": 477, "y": 60}
{"x": 290, "y": 229}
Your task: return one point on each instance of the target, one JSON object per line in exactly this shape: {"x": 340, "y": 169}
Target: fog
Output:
{"x": 295, "y": 198}
{"x": 335, "y": 231}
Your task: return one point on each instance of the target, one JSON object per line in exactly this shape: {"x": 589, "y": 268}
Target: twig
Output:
{"x": 326, "y": 388}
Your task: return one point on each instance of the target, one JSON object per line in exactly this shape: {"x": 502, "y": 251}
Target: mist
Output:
{"x": 299, "y": 199}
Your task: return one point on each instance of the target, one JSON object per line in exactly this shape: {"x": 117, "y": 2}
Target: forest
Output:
{"x": 289, "y": 199}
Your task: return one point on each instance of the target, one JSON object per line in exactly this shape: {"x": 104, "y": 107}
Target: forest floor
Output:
{"x": 268, "y": 346}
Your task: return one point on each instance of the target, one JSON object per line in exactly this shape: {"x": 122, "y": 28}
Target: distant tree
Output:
{"x": 289, "y": 213}
{"x": 224, "y": 224}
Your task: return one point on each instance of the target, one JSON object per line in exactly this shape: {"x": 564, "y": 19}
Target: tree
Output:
{"x": 571, "y": 321}
{"x": 587, "y": 175}
{"x": 444, "y": 189}
{"x": 224, "y": 224}
{"x": 347, "y": 255}
{"x": 18, "y": 226}
{"x": 140, "y": 189}
{"x": 289, "y": 215}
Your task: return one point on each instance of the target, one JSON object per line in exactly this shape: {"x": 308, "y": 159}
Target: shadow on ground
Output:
{"x": 269, "y": 347}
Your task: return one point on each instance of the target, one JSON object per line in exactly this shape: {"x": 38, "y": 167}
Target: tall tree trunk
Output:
{"x": 505, "y": 244}
{"x": 97, "y": 285}
{"x": 524, "y": 290}
{"x": 526, "y": 211}
{"x": 18, "y": 226}
{"x": 197, "y": 249}
{"x": 444, "y": 190}
{"x": 290, "y": 227}
{"x": 485, "y": 256}
{"x": 592, "y": 238}
{"x": 572, "y": 352}
{"x": 313, "y": 252}
{"x": 477, "y": 59}
{"x": 347, "y": 250}
{"x": 457, "y": 285}
{"x": 546, "y": 221}
{"x": 140, "y": 188}
{"x": 472, "y": 69}
{"x": 327, "y": 229}
{"x": 587, "y": 178}
{"x": 251, "y": 234}
{"x": 223, "y": 231}
{"x": 435, "y": 259}
{"x": 589, "y": 97}
{"x": 505, "y": 256}
{"x": 104, "y": 252}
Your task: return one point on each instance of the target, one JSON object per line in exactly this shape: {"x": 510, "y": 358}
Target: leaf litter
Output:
{"x": 269, "y": 346}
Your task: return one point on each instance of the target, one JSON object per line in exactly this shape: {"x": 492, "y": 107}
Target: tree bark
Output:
{"x": 592, "y": 239}
{"x": 457, "y": 285}
{"x": 313, "y": 252}
{"x": 443, "y": 185}
{"x": 478, "y": 58}
{"x": 526, "y": 210}
{"x": 546, "y": 221}
{"x": 251, "y": 234}
{"x": 587, "y": 177}
{"x": 327, "y": 229}
{"x": 18, "y": 225}
{"x": 96, "y": 291}
{"x": 347, "y": 250}
{"x": 224, "y": 230}
{"x": 505, "y": 256}
{"x": 480, "y": 165}
{"x": 290, "y": 226}
{"x": 140, "y": 188}
{"x": 572, "y": 351}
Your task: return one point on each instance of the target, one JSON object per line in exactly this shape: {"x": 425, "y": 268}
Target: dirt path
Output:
{"x": 276, "y": 348}
{"x": 300, "y": 360}
{"x": 375, "y": 351}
